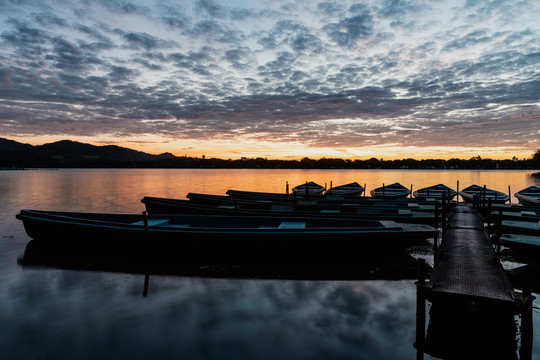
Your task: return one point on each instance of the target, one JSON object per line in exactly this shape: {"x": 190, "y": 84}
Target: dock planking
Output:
{"x": 467, "y": 265}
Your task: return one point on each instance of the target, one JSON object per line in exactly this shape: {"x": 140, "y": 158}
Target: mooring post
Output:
{"x": 436, "y": 224}
{"x": 457, "y": 191}
{"x": 484, "y": 199}
{"x": 287, "y": 187}
{"x": 525, "y": 350}
{"x": 146, "y": 230}
{"x": 145, "y": 221}
{"x": 488, "y": 216}
{"x": 444, "y": 206}
{"x": 410, "y": 195}
{"x": 383, "y": 189}
{"x": 498, "y": 232}
{"x": 364, "y": 190}
{"x": 420, "y": 309}
{"x": 509, "y": 195}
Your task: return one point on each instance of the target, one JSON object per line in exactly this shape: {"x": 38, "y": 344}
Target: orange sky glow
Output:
{"x": 286, "y": 151}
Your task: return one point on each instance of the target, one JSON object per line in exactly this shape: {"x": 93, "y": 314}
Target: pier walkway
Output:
{"x": 466, "y": 263}
{"x": 473, "y": 303}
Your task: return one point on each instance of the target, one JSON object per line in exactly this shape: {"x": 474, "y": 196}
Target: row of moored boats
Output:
{"x": 310, "y": 221}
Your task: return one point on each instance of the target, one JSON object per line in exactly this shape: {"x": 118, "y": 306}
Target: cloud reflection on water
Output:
{"x": 90, "y": 314}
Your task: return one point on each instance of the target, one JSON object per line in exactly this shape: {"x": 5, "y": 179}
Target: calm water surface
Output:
{"x": 52, "y": 313}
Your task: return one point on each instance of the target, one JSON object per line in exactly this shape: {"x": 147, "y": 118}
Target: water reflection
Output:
{"x": 88, "y": 315}
{"x": 465, "y": 330}
{"x": 395, "y": 266}
{"x": 55, "y": 311}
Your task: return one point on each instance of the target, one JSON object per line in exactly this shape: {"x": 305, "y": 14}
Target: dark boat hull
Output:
{"x": 477, "y": 193}
{"x": 529, "y": 196}
{"x": 190, "y": 237}
{"x": 403, "y": 215}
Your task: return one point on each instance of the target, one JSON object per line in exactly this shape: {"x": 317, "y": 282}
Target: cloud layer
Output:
{"x": 330, "y": 75}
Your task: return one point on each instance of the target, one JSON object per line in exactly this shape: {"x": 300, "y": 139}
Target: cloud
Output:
{"x": 328, "y": 73}
{"x": 349, "y": 30}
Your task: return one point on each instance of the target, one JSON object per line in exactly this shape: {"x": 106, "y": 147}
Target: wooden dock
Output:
{"x": 473, "y": 301}
{"x": 466, "y": 264}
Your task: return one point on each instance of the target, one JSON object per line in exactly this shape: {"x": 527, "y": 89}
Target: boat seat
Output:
{"x": 404, "y": 212}
{"x": 179, "y": 225}
{"x": 528, "y": 213}
{"x": 306, "y": 202}
{"x": 267, "y": 227}
{"x": 152, "y": 222}
{"x": 330, "y": 211}
{"x": 292, "y": 225}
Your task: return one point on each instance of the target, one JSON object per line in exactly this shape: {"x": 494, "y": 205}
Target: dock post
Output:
{"x": 509, "y": 195}
{"x": 147, "y": 275}
{"x": 145, "y": 220}
{"x": 498, "y": 232}
{"x": 287, "y": 187}
{"x": 410, "y": 195}
{"x": 488, "y": 216}
{"x": 457, "y": 191}
{"x": 383, "y": 189}
{"x": 364, "y": 190}
{"x": 436, "y": 224}
{"x": 484, "y": 198}
{"x": 526, "y": 327}
{"x": 420, "y": 310}
{"x": 444, "y": 205}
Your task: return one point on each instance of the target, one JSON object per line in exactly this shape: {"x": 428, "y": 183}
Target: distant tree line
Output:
{"x": 29, "y": 159}
{"x": 69, "y": 154}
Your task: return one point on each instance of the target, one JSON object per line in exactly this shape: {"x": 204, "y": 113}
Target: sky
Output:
{"x": 276, "y": 79}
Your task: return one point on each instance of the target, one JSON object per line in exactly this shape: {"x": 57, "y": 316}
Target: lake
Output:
{"x": 49, "y": 312}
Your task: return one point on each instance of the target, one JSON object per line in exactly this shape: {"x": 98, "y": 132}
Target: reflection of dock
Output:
{"x": 473, "y": 301}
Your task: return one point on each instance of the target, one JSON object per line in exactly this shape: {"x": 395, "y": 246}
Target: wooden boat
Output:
{"x": 483, "y": 194}
{"x": 521, "y": 227}
{"x": 309, "y": 188}
{"x": 353, "y": 188}
{"x": 525, "y": 244}
{"x": 435, "y": 192}
{"x": 235, "y": 236}
{"x": 300, "y": 209}
{"x": 392, "y": 191}
{"x": 514, "y": 214}
{"x": 529, "y": 196}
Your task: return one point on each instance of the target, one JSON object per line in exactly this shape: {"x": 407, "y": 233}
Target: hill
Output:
{"x": 67, "y": 153}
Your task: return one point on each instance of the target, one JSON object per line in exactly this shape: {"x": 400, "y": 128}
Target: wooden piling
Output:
{"x": 509, "y": 195}
{"x": 420, "y": 309}
{"x": 526, "y": 326}
{"x": 287, "y": 187}
{"x": 145, "y": 220}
